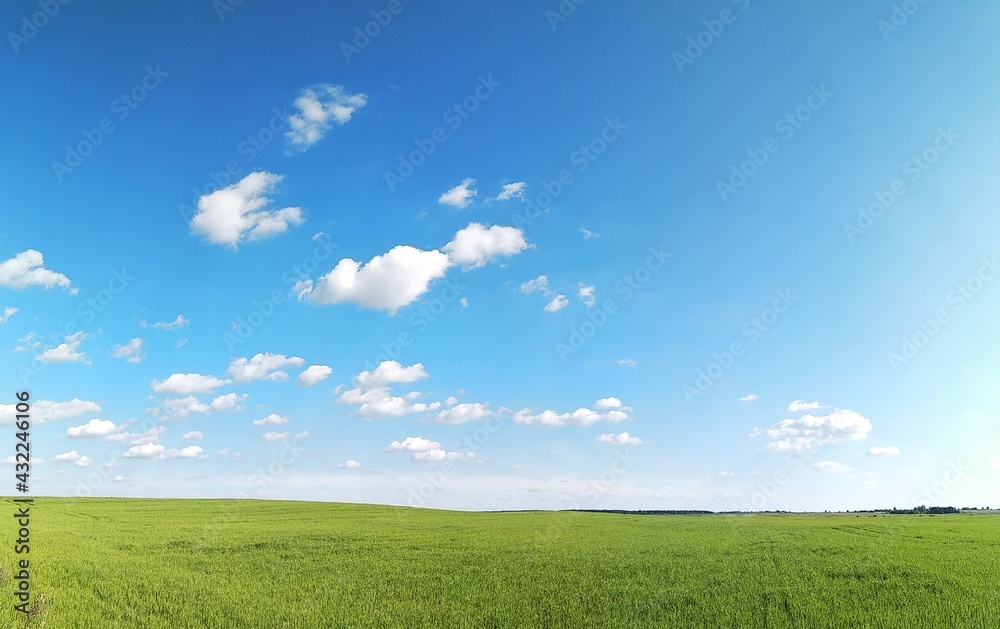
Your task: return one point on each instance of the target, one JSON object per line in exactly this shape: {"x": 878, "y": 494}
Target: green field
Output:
{"x": 211, "y": 563}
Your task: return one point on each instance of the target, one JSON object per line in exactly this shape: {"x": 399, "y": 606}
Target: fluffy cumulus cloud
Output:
{"x": 613, "y": 411}
{"x": 181, "y": 407}
{"x": 241, "y": 212}
{"x": 373, "y": 396}
{"x": 399, "y": 277}
{"x": 798, "y": 406}
{"x": 192, "y": 435}
{"x": 810, "y": 432}
{"x": 883, "y": 451}
{"x": 512, "y": 190}
{"x": 276, "y": 436}
{"x": 587, "y": 295}
{"x": 320, "y": 107}
{"x": 461, "y": 195}
{"x": 426, "y": 451}
{"x": 391, "y": 372}
{"x": 93, "y": 428}
{"x": 28, "y": 269}
{"x": 7, "y": 314}
{"x": 462, "y": 413}
{"x": 73, "y": 457}
{"x": 47, "y": 410}
{"x": 271, "y": 420}
{"x": 186, "y": 383}
{"x": 313, "y": 375}
{"x": 348, "y": 465}
{"x": 262, "y": 367}
{"x": 476, "y": 245}
{"x": 558, "y": 303}
{"x": 749, "y": 398}
{"x": 621, "y": 439}
{"x": 131, "y": 351}
{"x": 832, "y": 467}
{"x": 67, "y": 352}
{"x": 387, "y": 282}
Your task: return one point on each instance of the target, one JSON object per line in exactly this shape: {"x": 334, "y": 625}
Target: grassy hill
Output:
{"x": 221, "y": 563}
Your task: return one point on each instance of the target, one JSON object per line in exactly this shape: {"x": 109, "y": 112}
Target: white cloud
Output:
{"x": 832, "y": 467}
{"x": 626, "y": 362}
{"x": 271, "y": 420}
{"x": 413, "y": 444}
{"x": 461, "y": 195}
{"x": 391, "y": 372}
{"x": 93, "y": 428}
{"x": 608, "y": 402}
{"x": 27, "y": 269}
{"x": 7, "y": 314}
{"x": 179, "y": 408}
{"x": 313, "y": 375}
{"x": 558, "y": 303}
{"x": 512, "y": 190}
{"x": 379, "y": 403}
{"x": 883, "y": 451}
{"x": 47, "y": 410}
{"x": 319, "y": 107}
{"x": 540, "y": 283}
{"x": 66, "y": 352}
{"x": 809, "y": 432}
{"x": 621, "y": 439}
{"x": 586, "y": 295}
{"x": 799, "y": 405}
{"x": 386, "y": 282}
{"x": 159, "y": 452}
{"x": 73, "y": 457}
{"x": 262, "y": 367}
{"x": 131, "y": 351}
{"x": 185, "y": 383}
{"x": 424, "y": 450}
{"x": 240, "y": 212}
{"x": 615, "y": 412}
{"x": 276, "y": 436}
{"x": 750, "y": 398}
{"x": 476, "y": 245}
{"x": 462, "y": 413}
{"x": 349, "y": 464}
{"x": 176, "y": 324}
{"x": 194, "y": 434}
{"x": 587, "y": 234}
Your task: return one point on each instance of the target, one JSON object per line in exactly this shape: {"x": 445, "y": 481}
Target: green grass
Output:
{"x": 210, "y": 563}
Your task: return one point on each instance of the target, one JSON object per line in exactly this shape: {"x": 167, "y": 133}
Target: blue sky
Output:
{"x": 510, "y": 255}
